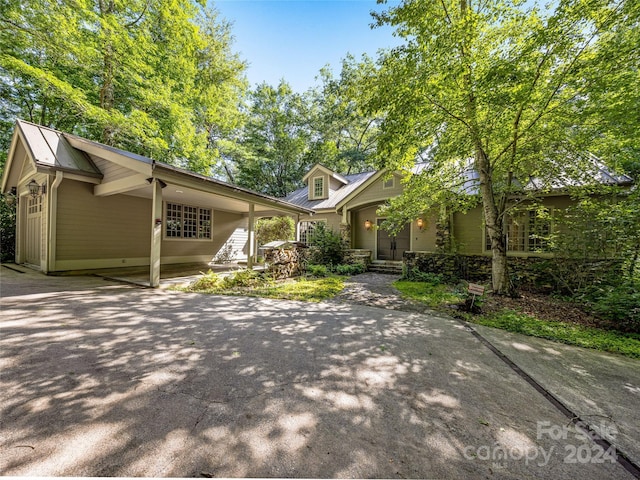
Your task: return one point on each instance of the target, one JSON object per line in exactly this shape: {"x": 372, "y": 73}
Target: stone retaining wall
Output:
{"x": 531, "y": 273}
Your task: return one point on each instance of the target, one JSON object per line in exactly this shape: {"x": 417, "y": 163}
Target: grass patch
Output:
{"x": 627, "y": 344}
{"x": 431, "y": 294}
{"x": 304, "y": 289}
{"x": 253, "y": 284}
{"x": 440, "y": 296}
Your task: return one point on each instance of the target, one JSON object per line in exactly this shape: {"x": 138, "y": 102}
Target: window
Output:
{"x": 527, "y": 231}
{"x": 389, "y": 183}
{"x": 318, "y": 187}
{"x": 186, "y": 221}
{"x": 307, "y": 229}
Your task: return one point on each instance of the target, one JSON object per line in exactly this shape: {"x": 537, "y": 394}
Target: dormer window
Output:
{"x": 318, "y": 187}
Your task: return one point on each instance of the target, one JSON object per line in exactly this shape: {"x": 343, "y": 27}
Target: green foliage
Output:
{"x": 207, "y": 282}
{"x": 499, "y": 92}
{"x": 344, "y": 137}
{"x": 326, "y": 246}
{"x": 244, "y": 278}
{"x": 619, "y": 304}
{"x": 249, "y": 283}
{"x": 588, "y": 337}
{"x": 350, "y": 269}
{"x": 272, "y": 159}
{"x": 7, "y": 231}
{"x": 156, "y": 78}
{"x": 275, "y": 228}
{"x": 318, "y": 271}
{"x": 431, "y": 294}
{"x": 417, "y": 275}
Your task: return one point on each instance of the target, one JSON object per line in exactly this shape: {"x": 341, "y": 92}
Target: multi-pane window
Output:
{"x": 318, "y": 187}
{"x": 186, "y": 221}
{"x": 526, "y": 232}
{"x": 307, "y": 229}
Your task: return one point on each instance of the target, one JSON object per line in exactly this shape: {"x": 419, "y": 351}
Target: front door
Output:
{"x": 33, "y": 237}
{"x": 392, "y": 248}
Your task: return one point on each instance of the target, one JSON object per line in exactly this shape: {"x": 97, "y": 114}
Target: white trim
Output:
{"x": 121, "y": 185}
{"x": 312, "y": 188}
{"x": 185, "y": 239}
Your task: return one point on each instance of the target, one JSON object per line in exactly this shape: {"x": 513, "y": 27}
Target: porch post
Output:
{"x": 251, "y": 237}
{"x": 156, "y": 234}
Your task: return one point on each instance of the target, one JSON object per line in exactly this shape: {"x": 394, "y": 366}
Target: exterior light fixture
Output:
{"x": 367, "y": 225}
{"x": 11, "y": 197}
{"x": 420, "y": 223}
{"x": 35, "y": 189}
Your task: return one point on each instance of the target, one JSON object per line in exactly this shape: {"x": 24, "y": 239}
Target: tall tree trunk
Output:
{"x": 494, "y": 222}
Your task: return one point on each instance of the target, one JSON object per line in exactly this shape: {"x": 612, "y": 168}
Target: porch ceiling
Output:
{"x": 189, "y": 196}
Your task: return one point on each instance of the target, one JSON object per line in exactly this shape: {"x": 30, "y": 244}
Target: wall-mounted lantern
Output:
{"x": 12, "y": 197}
{"x": 367, "y": 225}
{"x": 35, "y": 189}
{"x": 420, "y": 223}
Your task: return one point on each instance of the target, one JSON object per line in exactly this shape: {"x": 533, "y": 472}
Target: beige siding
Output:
{"x": 224, "y": 228}
{"x": 468, "y": 231}
{"x": 90, "y": 227}
{"x": 363, "y": 238}
{"x": 424, "y": 240}
{"x": 376, "y": 193}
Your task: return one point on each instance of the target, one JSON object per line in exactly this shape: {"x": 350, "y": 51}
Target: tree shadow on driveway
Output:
{"x": 111, "y": 380}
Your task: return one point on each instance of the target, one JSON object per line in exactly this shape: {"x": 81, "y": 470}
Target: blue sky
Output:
{"x": 294, "y": 39}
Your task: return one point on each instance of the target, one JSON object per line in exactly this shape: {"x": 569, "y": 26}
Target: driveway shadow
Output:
{"x": 109, "y": 380}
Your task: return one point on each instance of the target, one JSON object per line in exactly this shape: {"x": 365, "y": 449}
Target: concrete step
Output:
{"x": 391, "y": 268}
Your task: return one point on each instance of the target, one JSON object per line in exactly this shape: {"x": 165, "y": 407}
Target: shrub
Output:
{"x": 326, "y": 246}
{"x": 317, "y": 270}
{"x": 244, "y": 278}
{"x": 620, "y": 305}
{"x": 275, "y": 228}
{"x": 209, "y": 281}
{"x": 350, "y": 269}
{"x": 416, "y": 275}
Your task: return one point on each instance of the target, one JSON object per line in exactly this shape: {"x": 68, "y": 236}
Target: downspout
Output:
{"x": 53, "y": 223}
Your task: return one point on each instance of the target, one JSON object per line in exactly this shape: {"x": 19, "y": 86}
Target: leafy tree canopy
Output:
{"x": 156, "y": 77}
{"x": 509, "y": 85}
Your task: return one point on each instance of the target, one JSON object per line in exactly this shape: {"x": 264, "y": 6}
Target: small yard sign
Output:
{"x": 476, "y": 289}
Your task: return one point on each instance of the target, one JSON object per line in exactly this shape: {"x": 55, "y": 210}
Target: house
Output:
{"x": 83, "y": 205}
{"x": 351, "y": 204}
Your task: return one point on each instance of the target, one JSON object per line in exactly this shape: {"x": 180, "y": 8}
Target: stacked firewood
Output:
{"x": 284, "y": 262}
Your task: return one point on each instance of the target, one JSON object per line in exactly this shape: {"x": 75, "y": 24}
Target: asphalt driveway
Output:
{"x": 104, "y": 379}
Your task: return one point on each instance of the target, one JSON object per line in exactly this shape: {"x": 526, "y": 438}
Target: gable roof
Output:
{"x": 598, "y": 173}
{"x": 52, "y": 150}
{"x": 327, "y": 171}
{"x": 354, "y": 182}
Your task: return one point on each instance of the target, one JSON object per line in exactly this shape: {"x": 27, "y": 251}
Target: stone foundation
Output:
{"x": 530, "y": 273}
{"x": 357, "y": 255}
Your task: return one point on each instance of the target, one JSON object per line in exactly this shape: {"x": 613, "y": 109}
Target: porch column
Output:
{"x": 345, "y": 228}
{"x": 251, "y": 240}
{"x": 156, "y": 234}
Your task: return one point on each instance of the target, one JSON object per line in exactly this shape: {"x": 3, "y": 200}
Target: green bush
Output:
{"x": 275, "y": 228}
{"x": 350, "y": 269}
{"x": 314, "y": 270}
{"x": 416, "y": 275}
{"x": 209, "y": 281}
{"x": 7, "y": 231}
{"x": 620, "y": 305}
{"x": 244, "y": 278}
{"x": 326, "y": 246}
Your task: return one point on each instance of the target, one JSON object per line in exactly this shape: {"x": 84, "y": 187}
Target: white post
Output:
{"x": 156, "y": 234}
{"x": 251, "y": 238}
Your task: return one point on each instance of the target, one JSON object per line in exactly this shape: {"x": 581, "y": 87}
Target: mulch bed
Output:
{"x": 544, "y": 307}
